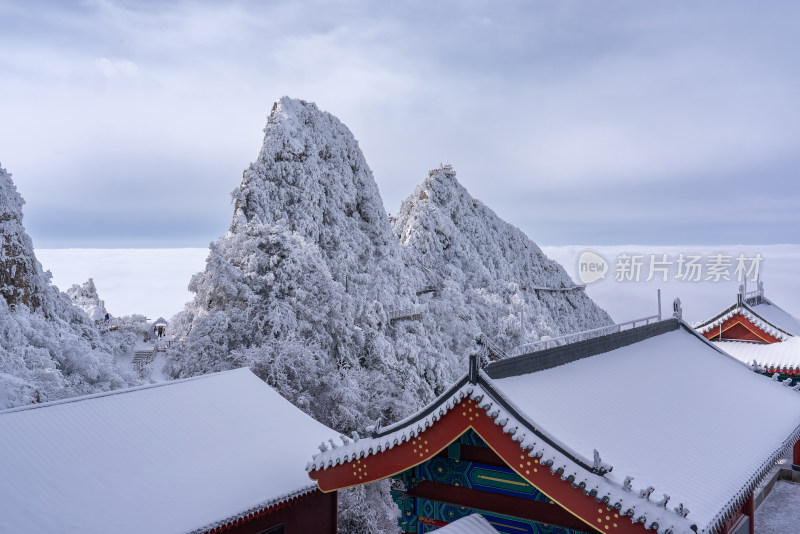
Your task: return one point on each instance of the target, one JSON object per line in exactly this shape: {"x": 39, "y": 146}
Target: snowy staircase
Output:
{"x": 143, "y": 358}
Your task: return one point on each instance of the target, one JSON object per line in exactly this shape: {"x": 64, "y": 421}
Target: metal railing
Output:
{"x": 543, "y": 344}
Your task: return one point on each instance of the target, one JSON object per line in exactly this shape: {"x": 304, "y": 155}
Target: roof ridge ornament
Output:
{"x": 677, "y": 310}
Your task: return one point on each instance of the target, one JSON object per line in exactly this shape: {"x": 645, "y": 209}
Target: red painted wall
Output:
{"x": 313, "y": 513}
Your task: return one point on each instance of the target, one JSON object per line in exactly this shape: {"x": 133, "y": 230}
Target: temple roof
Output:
{"x": 660, "y": 403}
{"x": 181, "y": 456}
{"x": 754, "y": 314}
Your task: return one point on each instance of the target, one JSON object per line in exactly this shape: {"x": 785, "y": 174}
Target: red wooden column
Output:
{"x": 750, "y": 511}
{"x": 796, "y": 456}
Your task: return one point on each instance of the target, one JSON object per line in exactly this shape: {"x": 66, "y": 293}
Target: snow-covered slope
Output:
{"x": 49, "y": 349}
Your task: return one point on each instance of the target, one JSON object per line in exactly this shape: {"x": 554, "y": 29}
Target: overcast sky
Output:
{"x": 582, "y": 122}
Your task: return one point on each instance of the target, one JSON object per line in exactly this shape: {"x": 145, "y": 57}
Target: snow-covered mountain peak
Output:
{"x": 311, "y": 178}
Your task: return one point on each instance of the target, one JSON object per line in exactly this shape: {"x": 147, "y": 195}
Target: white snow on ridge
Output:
{"x": 167, "y": 458}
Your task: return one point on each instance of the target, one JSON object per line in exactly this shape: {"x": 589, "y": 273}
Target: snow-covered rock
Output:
{"x": 487, "y": 270}
{"x": 85, "y": 297}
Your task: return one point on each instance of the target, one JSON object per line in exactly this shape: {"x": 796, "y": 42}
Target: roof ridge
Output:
{"x": 117, "y": 392}
{"x": 570, "y": 352}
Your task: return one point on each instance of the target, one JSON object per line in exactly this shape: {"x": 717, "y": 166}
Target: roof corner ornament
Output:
{"x": 645, "y": 493}
{"x": 627, "y": 486}
{"x": 681, "y": 510}
{"x": 663, "y": 502}
{"x": 374, "y": 429}
{"x": 600, "y": 467}
{"x": 677, "y": 310}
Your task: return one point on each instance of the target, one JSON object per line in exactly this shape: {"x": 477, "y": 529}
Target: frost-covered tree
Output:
{"x": 49, "y": 349}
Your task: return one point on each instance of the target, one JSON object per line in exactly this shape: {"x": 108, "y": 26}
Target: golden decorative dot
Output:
{"x": 522, "y": 457}
{"x": 606, "y": 527}
{"x": 470, "y": 409}
{"x": 599, "y": 520}
{"x": 463, "y": 413}
{"x": 420, "y": 454}
{"x": 616, "y": 516}
{"x": 426, "y": 450}
{"x": 440, "y": 469}
{"x": 615, "y": 525}
{"x": 599, "y": 510}
{"x": 527, "y": 472}
{"x": 426, "y": 442}
{"x": 607, "y": 518}
{"x": 457, "y": 484}
{"x": 529, "y": 463}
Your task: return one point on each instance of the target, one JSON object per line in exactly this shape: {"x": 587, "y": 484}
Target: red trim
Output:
{"x": 445, "y": 431}
{"x": 741, "y": 328}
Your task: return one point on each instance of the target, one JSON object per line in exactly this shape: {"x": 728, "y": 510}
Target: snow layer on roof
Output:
{"x": 472, "y": 524}
{"x": 168, "y": 458}
{"x": 784, "y": 355}
{"x": 778, "y": 317}
{"x": 669, "y": 411}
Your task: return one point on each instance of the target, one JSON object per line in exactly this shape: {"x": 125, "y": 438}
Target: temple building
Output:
{"x": 758, "y": 332}
{"x": 652, "y": 429}
{"x": 202, "y": 455}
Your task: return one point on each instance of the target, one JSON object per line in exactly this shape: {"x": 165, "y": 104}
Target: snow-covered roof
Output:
{"x": 175, "y": 457}
{"x": 778, "y": 316}
{"x": 472, "y": 524}
{"x": 752, "y": 315}
{"x": 669, "y": 410}
{"x": 784, "y": 356}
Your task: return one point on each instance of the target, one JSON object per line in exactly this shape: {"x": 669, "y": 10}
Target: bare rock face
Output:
{"x": 21, "y": 278}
